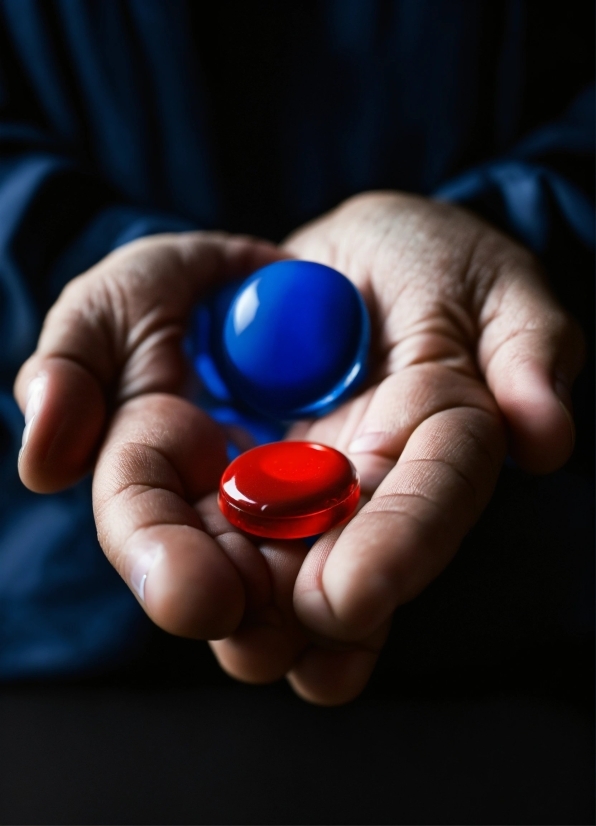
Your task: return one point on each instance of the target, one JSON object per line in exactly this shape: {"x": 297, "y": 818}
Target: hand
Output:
{"x": 107, "y": 378}
{"x": 471, "y": 350}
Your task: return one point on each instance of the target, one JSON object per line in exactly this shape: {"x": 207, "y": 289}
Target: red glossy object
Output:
{"x": 288, "y": 490}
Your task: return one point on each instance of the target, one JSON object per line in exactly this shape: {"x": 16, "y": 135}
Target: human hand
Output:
{"x": 470, "y": 351}
{"x": 107, "y": 379}
{"x": 161, "y": 454}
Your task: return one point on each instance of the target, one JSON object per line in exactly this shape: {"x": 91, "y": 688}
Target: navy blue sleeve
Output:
{"x": 541, "y": 192}
{"x": 98, "y": 142}
{"x": 56, "y": 221}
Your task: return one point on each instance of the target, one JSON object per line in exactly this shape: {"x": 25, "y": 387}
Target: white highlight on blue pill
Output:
{"x": 246, "y": 307}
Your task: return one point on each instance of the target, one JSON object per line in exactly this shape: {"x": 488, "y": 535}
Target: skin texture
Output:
{"x": 472, "y": 356}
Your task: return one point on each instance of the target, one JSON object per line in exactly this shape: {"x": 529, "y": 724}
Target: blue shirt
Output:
{"x": 121, "y": 118}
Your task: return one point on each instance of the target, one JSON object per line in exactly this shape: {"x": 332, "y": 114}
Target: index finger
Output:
{"x": 404, "y": 537}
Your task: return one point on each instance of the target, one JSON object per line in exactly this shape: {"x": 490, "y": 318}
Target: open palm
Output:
{"x": 470, "y": 351}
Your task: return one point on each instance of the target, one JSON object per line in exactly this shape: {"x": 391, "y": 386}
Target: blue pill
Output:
{"x": 294, "y": 342}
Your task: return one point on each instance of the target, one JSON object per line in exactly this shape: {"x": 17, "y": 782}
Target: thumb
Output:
{"x": 530, "y": 352}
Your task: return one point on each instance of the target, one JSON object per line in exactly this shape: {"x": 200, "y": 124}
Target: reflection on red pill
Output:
{"x": 288, "y": 490}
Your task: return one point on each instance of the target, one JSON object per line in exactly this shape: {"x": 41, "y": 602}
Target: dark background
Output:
{"x": 481, "y": 709}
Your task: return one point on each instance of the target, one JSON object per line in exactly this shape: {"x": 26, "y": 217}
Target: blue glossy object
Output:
{"x": 289, "y": 342}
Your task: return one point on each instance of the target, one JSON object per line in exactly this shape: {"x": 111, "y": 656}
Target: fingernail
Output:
{"x": 35, "y": 394}
{"x": 367, "y": 443}
{"x": 146, "y": 557}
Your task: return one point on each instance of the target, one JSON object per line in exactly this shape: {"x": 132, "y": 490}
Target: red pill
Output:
{"x": 288, "y": 490}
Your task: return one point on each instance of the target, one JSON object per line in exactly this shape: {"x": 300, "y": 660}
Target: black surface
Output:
{"x": 174, "y": 741}
{"x": 480, "y": 710}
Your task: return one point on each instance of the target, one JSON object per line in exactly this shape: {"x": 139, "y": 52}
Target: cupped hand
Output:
{"x": 105, "y": 391}
{"x": 471, "y": 354}
{"x": 469, "y": 349}
{"x": 105, "y": 387}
